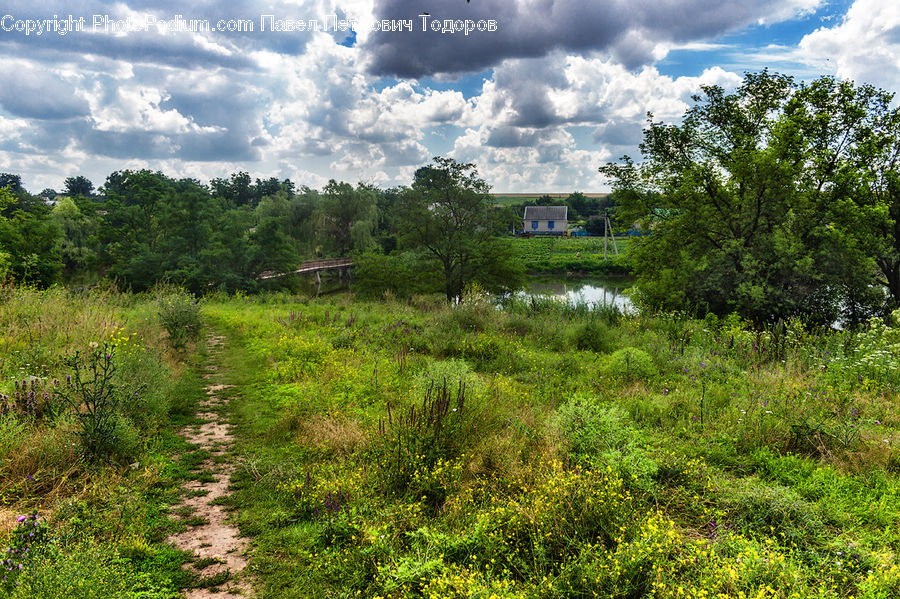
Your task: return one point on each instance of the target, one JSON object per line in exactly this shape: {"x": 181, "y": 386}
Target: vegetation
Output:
{"x": 88, "y": 395}
{"x": 573, "y": 254}
{"x": 774, "y": 201}
{"x": 418, "y": 447}
{"x": 447, "y": 216}
{"x": 414, "y": 449}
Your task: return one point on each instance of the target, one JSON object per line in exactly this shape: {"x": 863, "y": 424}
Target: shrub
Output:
{"x": 595, "y": 433}
{"x": 418, "y": 443}
{"x": 179, "y": 313}
{"x": 629, "y": 363}
{"x": 594, "y": 336}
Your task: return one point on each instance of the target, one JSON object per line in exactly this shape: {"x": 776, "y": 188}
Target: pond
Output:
{"x": 591, "y": 291}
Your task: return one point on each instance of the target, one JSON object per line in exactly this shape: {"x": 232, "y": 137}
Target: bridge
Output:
{"x": 341, "y": 265}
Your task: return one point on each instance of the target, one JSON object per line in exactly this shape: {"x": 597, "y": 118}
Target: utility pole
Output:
{"x": 607, "y": 230}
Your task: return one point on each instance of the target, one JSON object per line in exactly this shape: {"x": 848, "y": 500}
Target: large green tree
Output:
{"x": 751, "y": 202}
{"x": 347, "y": 218}
{"x": 447, "y": 216}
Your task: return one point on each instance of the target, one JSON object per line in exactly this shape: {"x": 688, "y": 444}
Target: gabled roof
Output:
{"x": 546, "y": 213}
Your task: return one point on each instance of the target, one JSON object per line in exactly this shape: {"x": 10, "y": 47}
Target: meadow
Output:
{"x": 413, "y": 449}
{"x": 416, "y": 449}
{"x": 91, "y": 388}
{"x": 572, "y": 254}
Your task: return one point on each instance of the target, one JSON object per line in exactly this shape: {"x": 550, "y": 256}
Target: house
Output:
{"x": 546, "y": 220}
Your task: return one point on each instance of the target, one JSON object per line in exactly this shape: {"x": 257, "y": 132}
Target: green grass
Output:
{"x": 668, "y": 457}
{"x": 421, "y": 450}
{"x": 104, "y": 524}
{"x": 575, "y": 254}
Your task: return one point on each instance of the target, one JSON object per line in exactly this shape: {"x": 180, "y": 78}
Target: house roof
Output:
{"x": 546, "y": 213}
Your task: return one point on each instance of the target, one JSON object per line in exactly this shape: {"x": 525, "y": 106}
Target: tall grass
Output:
{"x": 596, "y": 453}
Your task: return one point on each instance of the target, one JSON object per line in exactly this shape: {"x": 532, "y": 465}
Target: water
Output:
{"x": 589, "y": 291}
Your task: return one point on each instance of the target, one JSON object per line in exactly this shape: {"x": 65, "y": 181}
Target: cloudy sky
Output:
{"x": 558, "y": 88}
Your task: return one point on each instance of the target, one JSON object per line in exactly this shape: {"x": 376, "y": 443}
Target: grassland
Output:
{"x": 90, "y": 393}
{"x": 414, "y": 449}
{"x": 419, "y": 450}
{"x": 572, "y": 254}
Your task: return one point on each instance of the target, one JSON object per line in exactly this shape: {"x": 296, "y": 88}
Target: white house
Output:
{"x": 552, "y": 220}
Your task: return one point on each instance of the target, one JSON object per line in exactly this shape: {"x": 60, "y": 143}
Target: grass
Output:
{"x": 416, "y": 449}
{"x": 575, "y": 254}
{"x": 593, "y": 455}
{"x": 105, "y": 520}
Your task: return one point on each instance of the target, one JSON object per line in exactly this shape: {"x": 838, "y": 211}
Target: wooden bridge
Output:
{"x": 341, "y": 265}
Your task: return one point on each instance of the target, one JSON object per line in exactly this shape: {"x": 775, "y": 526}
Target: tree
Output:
{"x": 78, "y": 251}
{"x": 11, "y": 182}
{"x": 79, "y": 186}
{"x": 347, "y": 218}
{"x": 744, "y": 202}
{"x": 447, "y": 215}
{"x": 29, "y": 241}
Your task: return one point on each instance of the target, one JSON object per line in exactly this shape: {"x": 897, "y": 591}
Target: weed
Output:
{"x": 91, "y": 395}
{"x": 179, "y": 313}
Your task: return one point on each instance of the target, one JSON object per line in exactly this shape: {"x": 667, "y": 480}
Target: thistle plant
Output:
{"x": 91, "y": 395}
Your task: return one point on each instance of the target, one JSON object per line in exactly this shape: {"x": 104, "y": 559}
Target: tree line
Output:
{"x": 143, "y": 227}
{"x": 776, "y": 200}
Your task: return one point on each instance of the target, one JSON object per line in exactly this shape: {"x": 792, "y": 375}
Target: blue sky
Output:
{"x": 559, "y": 88}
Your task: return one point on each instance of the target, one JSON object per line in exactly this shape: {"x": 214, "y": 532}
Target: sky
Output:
{"x": 536, "y": 93}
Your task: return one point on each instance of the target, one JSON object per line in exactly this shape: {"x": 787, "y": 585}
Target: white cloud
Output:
{"x": 864, "y": 46}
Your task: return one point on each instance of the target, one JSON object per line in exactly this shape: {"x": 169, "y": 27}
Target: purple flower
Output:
{"x": 21, "y": 518}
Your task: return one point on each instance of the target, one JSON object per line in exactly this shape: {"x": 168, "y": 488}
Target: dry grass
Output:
{"x": 332, "y": 432}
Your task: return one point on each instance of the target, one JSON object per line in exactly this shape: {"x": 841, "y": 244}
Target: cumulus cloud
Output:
{"x": 32, "y": 91}
{"x": 562, "y": 87}
{"x": 864, "y": 46}
{"x": 530, "y": 148}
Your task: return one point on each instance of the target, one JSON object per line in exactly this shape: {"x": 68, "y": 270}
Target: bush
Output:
{"x": 629, "y": 363}
{"x": 593, "y": 336}
{"x": 421, "y": 444}
{"x": 596, "y": 434}
{"x": 179, "y": 313}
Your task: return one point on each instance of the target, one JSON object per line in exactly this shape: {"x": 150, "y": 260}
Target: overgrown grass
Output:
{"x": 91, "y": 394}
{"x": 612, "y": 456}
{"x": 575, "y": 254}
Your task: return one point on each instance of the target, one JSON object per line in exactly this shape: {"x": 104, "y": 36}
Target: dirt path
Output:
{"x": 220, "y": 553}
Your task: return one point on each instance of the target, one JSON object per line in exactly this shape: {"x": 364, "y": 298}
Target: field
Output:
{"x": 572, "y": 254}
{"x": 90, "y": 392}
{"x": 414, "y": 449}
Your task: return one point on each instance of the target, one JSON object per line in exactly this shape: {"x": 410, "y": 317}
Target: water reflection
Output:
{"x": 588, "y": 291}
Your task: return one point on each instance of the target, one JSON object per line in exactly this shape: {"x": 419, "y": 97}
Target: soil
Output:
{"x": 216, "y": 543}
